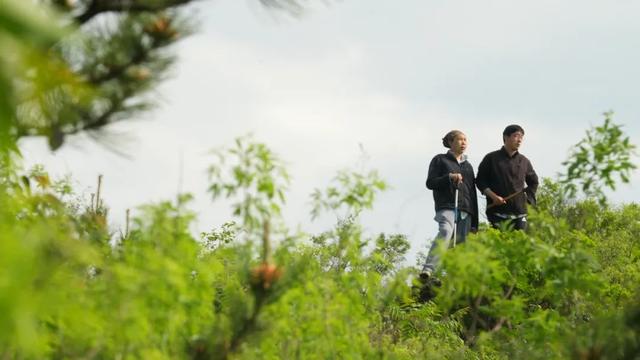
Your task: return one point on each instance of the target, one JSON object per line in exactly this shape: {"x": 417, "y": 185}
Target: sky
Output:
{"x": 375, "y": 75}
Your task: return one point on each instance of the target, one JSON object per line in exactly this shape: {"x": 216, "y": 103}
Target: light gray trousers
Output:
{"x": 445, "y": 219}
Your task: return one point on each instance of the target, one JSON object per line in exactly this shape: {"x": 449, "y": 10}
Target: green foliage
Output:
{"x": 567, "y": 288}
{"x": 25, "y": 34}
{"x": 97, "y": 76}
{"x": 19, "y": 20}
{"x": 256, "y": 177}
{"x": 389, "y": 252}
{"x": 42, "y": 264}
{"x": 552, "y": 198}
{"x": 217, "y": 238}
{"x": 527, "y": 285}
{"x": 595, "y": 161}
{"x": 353, "y": 192}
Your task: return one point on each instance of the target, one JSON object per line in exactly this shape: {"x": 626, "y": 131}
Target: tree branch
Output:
{"x": 507, "y": 295}
{"x": 498, "y": 325}
{"x": 101, "y": 6}
{"x": 293, "y": 7}
{"x": 114, "y": 72}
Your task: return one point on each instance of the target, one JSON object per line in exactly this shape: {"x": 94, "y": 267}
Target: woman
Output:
{"x": 448, "y": 172}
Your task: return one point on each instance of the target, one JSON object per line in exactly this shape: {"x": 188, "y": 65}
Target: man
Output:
{"x": 448, "y": 173}
{"x": 502, "y": 176}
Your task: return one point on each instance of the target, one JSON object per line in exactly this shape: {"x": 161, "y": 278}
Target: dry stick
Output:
{"x": 266, "y": 246}
{"x": 247, "y": 327}
{"x": 98, "y": 193}
{"x": 502, "y": 320}
{"x": 505, "y": 199}
{"x": 498, "y": 325}
{"x": 474, "y": 315}
{"x": 126, "y": 226}
{"x": 508, "y": 294}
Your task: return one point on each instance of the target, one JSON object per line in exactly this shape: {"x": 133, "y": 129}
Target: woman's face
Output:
{"x": 459, "y": 144}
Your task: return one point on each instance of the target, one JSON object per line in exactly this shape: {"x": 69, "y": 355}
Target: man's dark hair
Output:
{"x": 511, "y": 129}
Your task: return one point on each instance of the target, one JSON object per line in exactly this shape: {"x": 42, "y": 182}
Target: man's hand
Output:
{"x": 497, "y": 199}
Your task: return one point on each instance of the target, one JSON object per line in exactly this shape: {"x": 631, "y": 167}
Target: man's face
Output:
{"x": 459, "y": 144}
{"x": 513, "y": 141}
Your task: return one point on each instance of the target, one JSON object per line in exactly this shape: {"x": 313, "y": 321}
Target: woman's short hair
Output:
{"x": 448, "y": 139}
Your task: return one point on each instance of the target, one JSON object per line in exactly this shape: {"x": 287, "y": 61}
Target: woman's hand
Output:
{"x": 456, "y": 178}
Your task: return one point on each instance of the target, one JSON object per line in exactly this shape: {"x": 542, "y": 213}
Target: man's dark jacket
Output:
{"x": 506, "y": 175}
{"x": 444, "y": 189}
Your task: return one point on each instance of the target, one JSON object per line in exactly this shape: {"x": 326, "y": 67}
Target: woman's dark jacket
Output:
{"x": 444, "y": 189}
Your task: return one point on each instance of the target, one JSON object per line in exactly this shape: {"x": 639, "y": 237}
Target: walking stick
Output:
{"x": 505, "y": 199}
{"x": 455, "y": 218}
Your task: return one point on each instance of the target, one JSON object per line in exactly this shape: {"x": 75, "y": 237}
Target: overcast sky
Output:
{"x": 393, "y": 78}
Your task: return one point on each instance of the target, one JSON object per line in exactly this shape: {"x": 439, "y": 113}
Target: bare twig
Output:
{"x": 126, "y": 225}
{"x": 98, "y": 200}
{"x": 507, "y": 295}
{"x": 499, "y": 324}
{"x": 266, "y": 245}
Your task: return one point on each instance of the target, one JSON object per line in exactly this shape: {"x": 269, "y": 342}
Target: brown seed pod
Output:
{"x": 265, "y": 275}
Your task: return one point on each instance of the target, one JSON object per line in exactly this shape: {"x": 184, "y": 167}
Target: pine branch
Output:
{"x": 118, "y": 66}
{"x": 293, "y": 7}
{"x": 162, "y": 33}
{"x": 103, "y": 73}
{"x": 89, "y": 122}
{"x": 97, "y": 7}
{"x": 139, "y": 57}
